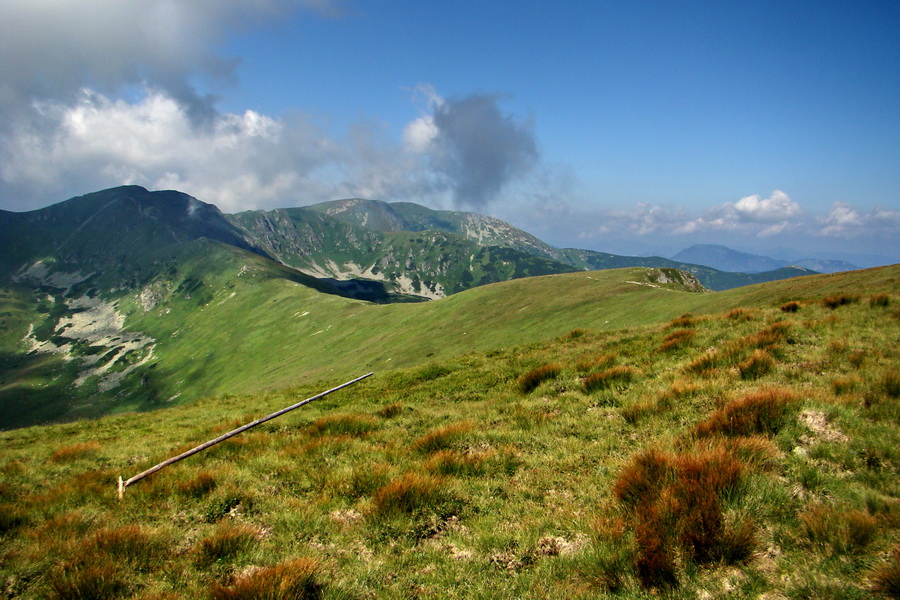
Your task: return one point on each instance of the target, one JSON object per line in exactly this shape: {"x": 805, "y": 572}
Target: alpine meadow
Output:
{"x": 541, "y": 422}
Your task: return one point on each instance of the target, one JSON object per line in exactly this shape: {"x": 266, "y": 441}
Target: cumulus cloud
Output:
{"x": 763, "y": 217}
{"x": 52, "y": 48}
{"x": 473, "y": 147}
{"x": 778, "y": 207}
{"x": 235, "y": 161}
{"x": 846, "y": 221}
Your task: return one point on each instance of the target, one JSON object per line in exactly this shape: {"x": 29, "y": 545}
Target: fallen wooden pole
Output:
{"x": 234, "y": 432}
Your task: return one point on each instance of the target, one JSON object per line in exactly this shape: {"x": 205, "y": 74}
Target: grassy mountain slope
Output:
{"x": 357, "y": 243}
{"x": 748, "y": 450}
{"x": 405, "y": 216}
{"x": 121, "y": 235}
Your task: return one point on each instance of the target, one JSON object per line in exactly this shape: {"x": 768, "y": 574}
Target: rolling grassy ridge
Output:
{"x": 596, "y": 441}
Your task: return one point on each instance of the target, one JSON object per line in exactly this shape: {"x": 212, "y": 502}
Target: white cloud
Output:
{"x": 236, "y": 161}
{"x": 54, "y": 47}
{"x": 777, "y": 207}
{"x": 847, "y": 221}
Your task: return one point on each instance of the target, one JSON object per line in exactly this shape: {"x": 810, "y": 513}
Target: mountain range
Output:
{"x": 726, "y": 259}
{"x": 127, "y": 298}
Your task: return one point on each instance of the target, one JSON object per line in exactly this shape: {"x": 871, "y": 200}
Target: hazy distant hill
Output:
{"x": 405, "y": 216}
{"x": 726, "y": 259}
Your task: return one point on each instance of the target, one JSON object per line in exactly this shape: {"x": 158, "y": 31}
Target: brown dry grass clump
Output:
{"x": 838, "y": 300}
{"x": 685, "y": 320}
{"x": 226, "y": 542}
{"x": 75, "y": 451}
{"x": 886, "y": 577}
{"x": 758, "y": 364}
{"x": 790, "y": 307}
{"x": 390, "y": 411}
{"x": 409, "y": 493}
{"x": 594, "y": 362}
{"x": 297, "y": 579}
{"x": 530, "y": 380}
{"x": 841, "y": 530}
{"x": 879, "y": 300}
{"x": 761, "y": 412}
{"x": 677, "y": 339}
{"x": 741, "y": 314}
{"x": 353, "y": 425}
{"x": 442, "y": 438}
{"x": 608, "y": 378}
{"x": 674, "y": 501}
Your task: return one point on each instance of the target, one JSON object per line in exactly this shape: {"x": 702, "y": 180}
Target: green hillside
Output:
{"x": 379, "y": 216}
{"x": 575, "y": 436}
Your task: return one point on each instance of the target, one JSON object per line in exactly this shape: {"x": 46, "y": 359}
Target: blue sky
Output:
{"x": 635, "y": 127}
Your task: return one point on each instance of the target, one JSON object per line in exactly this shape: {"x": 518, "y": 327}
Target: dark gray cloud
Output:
{"x": 478, "y": 149}
{"x": 53, "y": 48}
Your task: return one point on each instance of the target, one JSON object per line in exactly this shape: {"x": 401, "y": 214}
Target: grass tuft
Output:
{"x": 606, "y": 379}
{"x": 758, "y": 364}
{"x": 410, "y": 493}
{"x": 886, "y": 577}
{"x": 677, "y": 339}
{"x": 79, "y": 581}
{"x": 532, "y": 379}
{"x": 890, "y": 383}
{"x": 227, "y": 542}
{"x": 838, "y": 529}
{"x": 390, "y": 411}
{"x": 675, "y": 504}
{"x": 442, "y": 438}
{"x": 297, "y": 579}
{"x": 790, "y": 307}
{"x": 595, "y": 362}
{"x": 761, "y": 412}
{"x": 741, "y": 314}
{"x": 75, "y": 451}
{"x": 337, "y": 425}
{"x": 879, "y": 300}
{"x": 459, "y": 464}
{"x": 200, "y": 485}
{"x": 838, "y": 300}
{"x": 129, "y": 543}
{"x": 685, "y": 320}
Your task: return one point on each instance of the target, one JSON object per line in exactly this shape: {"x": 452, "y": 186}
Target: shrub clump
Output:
{"x": 297, "y": 579}
{"x": 761, "y": 412}
{"x": 532, "y": 379}
{"x": 608, "y": 378}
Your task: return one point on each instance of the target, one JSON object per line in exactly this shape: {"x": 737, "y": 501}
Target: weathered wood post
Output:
{"x": 124, "y": 484}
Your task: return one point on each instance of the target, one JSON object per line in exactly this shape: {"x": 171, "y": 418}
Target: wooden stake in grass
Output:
{"x": 232, "y": 433}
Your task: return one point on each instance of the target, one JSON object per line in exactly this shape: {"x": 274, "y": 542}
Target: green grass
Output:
{"x": 442, "y": 479}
